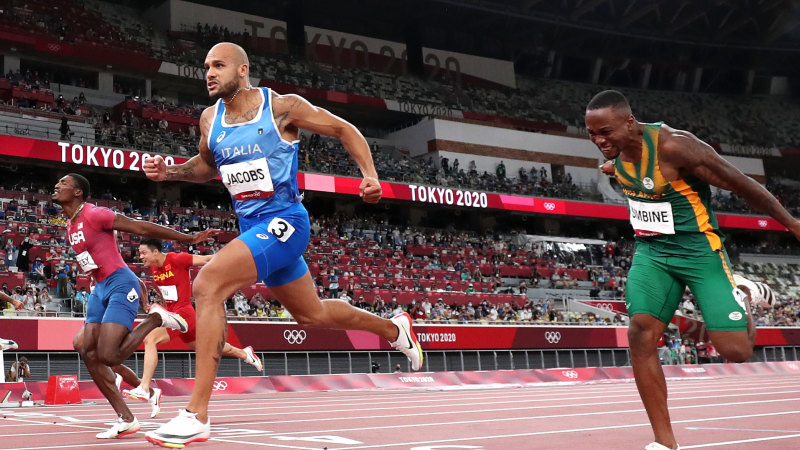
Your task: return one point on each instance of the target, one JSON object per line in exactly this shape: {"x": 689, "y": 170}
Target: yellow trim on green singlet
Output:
{"x": 696, "y": 228}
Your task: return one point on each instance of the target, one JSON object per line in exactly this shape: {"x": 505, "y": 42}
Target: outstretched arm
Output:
{"x": 201, "y": 260}
{"x": 293, "y": 112}
{"x": 149, "y": 229}
{"x": 694, "y": 156}
{"x": 198, "y": 169}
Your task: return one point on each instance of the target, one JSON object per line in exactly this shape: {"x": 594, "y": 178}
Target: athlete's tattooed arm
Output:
{"x": 691, "y": 156}
{"x": 202, "y": 167}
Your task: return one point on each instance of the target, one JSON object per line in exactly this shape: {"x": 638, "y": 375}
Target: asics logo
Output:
{"x": 549, "y": 206}
{"x": 220, "y": 385}
{"x": 570, "y": 374}
{"x": 294, "y": 336}
{"x": 552, "y": 336}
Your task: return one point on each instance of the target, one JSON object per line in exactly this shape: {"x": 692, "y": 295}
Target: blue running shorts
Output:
{"x": 115, "y": 299}
{"x": 277, "y": 242}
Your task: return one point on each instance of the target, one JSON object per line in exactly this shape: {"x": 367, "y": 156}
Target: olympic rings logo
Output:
{"x": 552, "y": 336}
{"x": 294, "y": 336}
{"x": 606, "y": 306}
{"x": 220, "y": 385}
{"x": 549, "y": 206}
{"x": 762, "y": 223}
{"x": 570, "y": 374}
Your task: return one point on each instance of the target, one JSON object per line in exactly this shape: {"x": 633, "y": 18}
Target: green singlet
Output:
{"x": 678, "y": 244}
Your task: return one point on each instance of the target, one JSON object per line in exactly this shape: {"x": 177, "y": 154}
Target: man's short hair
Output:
{"x": 82, "y": 183}
{"x": 152, "y": 243}
{"x": 608, "y": 99}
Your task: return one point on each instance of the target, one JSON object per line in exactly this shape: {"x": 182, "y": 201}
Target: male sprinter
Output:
{"x": 107, "y": 337}
{"x": 171, "y": 274}
{"x": 666, "y": 173}
{"x": 250, "y": 139}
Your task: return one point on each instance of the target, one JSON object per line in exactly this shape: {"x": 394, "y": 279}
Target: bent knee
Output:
{"x": 111, "y": 360}
{"x": 311, "y": 320}
{"x": 736, "y": 355}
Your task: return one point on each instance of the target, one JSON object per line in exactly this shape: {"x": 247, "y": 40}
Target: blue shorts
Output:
{"x": 277, "y": 242}
{"x": 115, "y": 299}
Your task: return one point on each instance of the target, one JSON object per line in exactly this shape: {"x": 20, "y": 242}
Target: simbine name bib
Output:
{"x": 650, "y": 219}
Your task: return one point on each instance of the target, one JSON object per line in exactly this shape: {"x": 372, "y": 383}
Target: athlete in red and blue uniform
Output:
{"x": 106, "y": 339}
{"x": 171, "y": 275}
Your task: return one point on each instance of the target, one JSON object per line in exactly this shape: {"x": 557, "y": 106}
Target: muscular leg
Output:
{"x": 234, "y": 268}
{"x": 300, "y": 298}
{"x": 231, "y": 269}
{"x": 151, "y": 342}
{"x": 643, "y": 335}
{"x": 100, "y": 372}
{"x": 128, "y": 375}
{"x": 737, "y": 346}
{"x": 129, "y": 341}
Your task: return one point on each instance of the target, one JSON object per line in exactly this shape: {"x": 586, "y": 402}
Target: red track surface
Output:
{"x": 733, "y": 412}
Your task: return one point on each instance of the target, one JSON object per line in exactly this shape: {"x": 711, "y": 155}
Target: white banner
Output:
{"x": 339, "y": 41}
{"x": 494, "y": 70}
{"x": 424, "y": 109}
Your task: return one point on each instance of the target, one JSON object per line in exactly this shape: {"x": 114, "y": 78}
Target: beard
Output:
{"x": 226, "y": 90}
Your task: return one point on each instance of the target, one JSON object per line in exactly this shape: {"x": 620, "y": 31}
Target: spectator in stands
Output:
{"x": 64, "y": 129}
{"x": 37, "y": 271}
{"x": 501, "y": 170}
{"x": 30, "y": 300}
{"x": 79, "y": 305}
{"x": 256, "y": 301}
{"x": 19, "y": 371}
{"x": 417, "y": 312}
{"x": 23, "y": 258}
{"x": 45, "y": 299}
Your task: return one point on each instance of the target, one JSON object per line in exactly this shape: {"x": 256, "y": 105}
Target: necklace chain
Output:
{"x": 235, "y": 94}
{"x": 80, "y": 208}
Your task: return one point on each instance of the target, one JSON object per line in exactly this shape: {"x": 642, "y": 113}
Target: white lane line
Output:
{"x": 743, "y": 429}
{"x": 574, "y": 430}
{"x": 505, "y": 419}
{"x": 128, "y": 443}
{"x": 743, "y": 441}
{"x": 261, "y": 444}
{"x": 473, "y": 411}
{"x": 91, "y": 410}
{"x": 401, "y": 396}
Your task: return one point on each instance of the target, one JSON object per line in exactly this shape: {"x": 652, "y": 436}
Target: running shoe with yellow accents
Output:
{"x": 407, "y": 341}
{"x": 180, "y": 431}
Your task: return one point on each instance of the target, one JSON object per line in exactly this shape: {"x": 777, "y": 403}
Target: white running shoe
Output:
{"x": 760, "y": 294}
{"x": 657, "y": 446}
{"x": 180, "y": 431}
{"x": 8, "y": 344}
{"x": 253, "y": 359}
{"x": 155, "y": 402}
{"x": 120, "y": 429}
{"x": 407, "y": 341}
{"x": 137, "y": 393}
{"x": 118, "y": 380}
{"x": 169, "y": 320}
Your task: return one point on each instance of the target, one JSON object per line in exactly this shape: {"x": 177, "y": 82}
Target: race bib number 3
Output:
{"x": 650, "y": 219}
{"x": 282, "y": 229}
{"x": 247, "y": 180}
{"x": 169, "y": 293}
{"x": 86, "y": 262}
